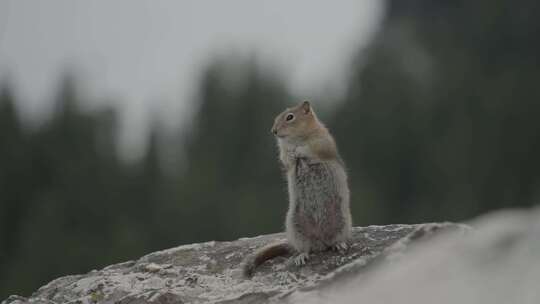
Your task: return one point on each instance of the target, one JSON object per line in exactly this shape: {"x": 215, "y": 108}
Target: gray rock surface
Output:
{"x": 498, "y": 262}
{"x": 210, "y": 272}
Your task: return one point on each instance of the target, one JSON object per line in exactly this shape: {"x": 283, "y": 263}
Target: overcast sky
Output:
{"x": 147, "y": 54}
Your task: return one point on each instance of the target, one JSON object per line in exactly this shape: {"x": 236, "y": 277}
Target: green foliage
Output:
{"x": 445, "y": 113}
{"x": 232, "y": 169}
{"x": 440, "y": 123}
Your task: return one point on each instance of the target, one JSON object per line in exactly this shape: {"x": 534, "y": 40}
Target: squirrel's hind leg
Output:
{"x": 301, "y": 258}
{"x": 341, "y": 247}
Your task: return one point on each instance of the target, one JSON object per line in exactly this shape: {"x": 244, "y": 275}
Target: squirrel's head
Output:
{"x": 295, "y": 123}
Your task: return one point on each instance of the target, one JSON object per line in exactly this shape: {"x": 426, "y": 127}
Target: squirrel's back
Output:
{"x": 319, "y": 216}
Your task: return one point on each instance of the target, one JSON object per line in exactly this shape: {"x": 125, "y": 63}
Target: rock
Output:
{"x": 210, "y": 272}
{"x": 499, "y": 262}
{"x": 496, "y": 262}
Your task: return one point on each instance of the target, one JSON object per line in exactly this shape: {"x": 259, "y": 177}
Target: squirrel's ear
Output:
{"x": 306, "y": 107}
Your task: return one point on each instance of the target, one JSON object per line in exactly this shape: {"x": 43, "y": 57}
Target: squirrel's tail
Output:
{"x": 263, "y": 254}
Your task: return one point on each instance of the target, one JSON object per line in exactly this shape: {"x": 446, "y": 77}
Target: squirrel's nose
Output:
{"x": 274, "y": 131}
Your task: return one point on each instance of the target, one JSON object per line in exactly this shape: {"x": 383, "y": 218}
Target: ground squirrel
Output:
{"x": 319, "y": 216}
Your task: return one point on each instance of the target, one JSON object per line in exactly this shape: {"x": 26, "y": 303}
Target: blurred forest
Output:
{"x": 440, "y": 122}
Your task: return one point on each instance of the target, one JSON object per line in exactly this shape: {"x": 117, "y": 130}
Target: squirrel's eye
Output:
{"x": 289, "y": 117}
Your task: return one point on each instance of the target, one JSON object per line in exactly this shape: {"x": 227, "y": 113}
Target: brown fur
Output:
{"x": 306, "y": 127}
{"x": 262, "y": 255}
{"x": 319, "y": 215}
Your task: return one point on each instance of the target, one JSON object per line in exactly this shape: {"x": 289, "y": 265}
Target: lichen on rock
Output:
{"x": 210, "y": 272}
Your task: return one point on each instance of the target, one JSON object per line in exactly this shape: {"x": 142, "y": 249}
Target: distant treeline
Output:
{"x": 441, "y": 121}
